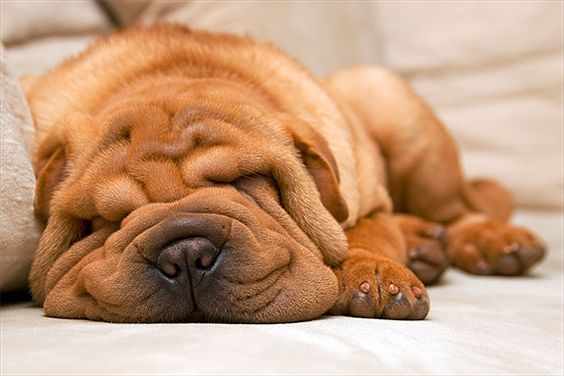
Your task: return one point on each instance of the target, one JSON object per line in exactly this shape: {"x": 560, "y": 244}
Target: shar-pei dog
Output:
{"x": 192, "y": 176}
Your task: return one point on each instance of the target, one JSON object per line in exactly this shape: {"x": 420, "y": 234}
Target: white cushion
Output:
{"x": 24, "y": 20}
{"x": 19, "y": 231}
{"x": 477, "y": 325}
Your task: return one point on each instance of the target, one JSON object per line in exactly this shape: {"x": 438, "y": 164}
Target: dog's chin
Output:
{"x": 214, "y": 256}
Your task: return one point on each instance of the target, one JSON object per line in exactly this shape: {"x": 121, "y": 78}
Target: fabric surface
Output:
{"x": 322, "y": 35}
{"x": 24, "y": 58}
{"x": 24, "y": 20}
{"x": 19, "y": 232}
{"x": 477, "y": 325}
{"x": 125, "y": 12}
{"x": 493, "y": 71}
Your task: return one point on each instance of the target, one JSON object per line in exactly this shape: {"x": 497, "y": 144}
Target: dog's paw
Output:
{"x": 493, "y": 248}
{"x": 378, "y": 287}
{"x": 426, "y": 247}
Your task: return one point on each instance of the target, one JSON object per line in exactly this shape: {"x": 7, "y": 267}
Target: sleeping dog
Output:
{"x": 193, "y": 176}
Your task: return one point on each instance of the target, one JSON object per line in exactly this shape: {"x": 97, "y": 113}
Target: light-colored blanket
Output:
{"x": 477, "y": 325}
{"x": 19, "y": 231}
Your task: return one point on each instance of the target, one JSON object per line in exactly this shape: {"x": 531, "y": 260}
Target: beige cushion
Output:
{"x": 19, "y": 231}
{"x": 324, "y": 35}
{"x": 38, "y": 55}
{"x": 24, "y": 20}
{"x": 477, "y": 326}
{"x": 493, "y": 72}
{"x": 125, "y": 11}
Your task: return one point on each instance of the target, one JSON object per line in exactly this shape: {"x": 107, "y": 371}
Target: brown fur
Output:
{"x": 155, "y": 134}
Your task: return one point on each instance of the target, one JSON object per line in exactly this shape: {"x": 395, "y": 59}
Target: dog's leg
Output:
{"x": 426, "y": 179}
{"x": 373, "y": 280}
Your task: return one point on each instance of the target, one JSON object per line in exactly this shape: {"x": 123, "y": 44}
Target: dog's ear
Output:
{"x": 309, "y": 191}
{"x": 53, "y": 158}
{"x": 50, "y": 170}
{"x": 321, "y": 165}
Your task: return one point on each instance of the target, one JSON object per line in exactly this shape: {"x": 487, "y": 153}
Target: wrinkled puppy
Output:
{"x": 192, "y": 176}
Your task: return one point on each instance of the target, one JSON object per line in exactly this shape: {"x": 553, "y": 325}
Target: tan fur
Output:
{"x": 160, "y": 131}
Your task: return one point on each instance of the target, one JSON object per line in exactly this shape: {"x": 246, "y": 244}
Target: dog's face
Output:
{"x": 184, "y": 201}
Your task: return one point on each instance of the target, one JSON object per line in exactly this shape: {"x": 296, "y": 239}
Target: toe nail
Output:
{"x": 512, "y": 248}
{"x": 393, "y": 289}
{"x": 413, "y": 253}
{"x": 365, "y": 287}
{"x": 436, "y": 232}
{"x": 417, "y": 292}
{"x": 482, "y": 266}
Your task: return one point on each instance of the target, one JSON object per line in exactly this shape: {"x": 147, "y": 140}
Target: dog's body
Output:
{"x": 187, "y": 175}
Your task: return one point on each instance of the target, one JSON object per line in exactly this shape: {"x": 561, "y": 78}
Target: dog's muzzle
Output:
{"x": 185, "y": 248}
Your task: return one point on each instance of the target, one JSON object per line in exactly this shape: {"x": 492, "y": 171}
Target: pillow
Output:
{"x": 323, "y": 35}
{"x": 24, "y": 20}
{"x": 19, "y": 230}
{"x": 493, "y": 71}
{"x": 125, "y": 12}
{"x": 51, "y": 50}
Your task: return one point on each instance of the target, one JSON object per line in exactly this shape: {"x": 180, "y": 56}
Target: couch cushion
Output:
{"x": 323, "y": 35}
{"x": 19, "y": 231}
{"x": 39, "y": 55}
{"x": 493, "y": 71}
{"x": 477, "y": 326}
{"x": 25, "y": 20}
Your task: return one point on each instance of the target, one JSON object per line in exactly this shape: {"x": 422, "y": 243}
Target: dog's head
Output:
{"x": 183, "y": 201}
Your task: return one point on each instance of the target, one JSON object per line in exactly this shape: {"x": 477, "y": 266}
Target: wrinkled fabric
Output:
{"x": 19, "y": 231}
{"x": 22, "y": 21}
{"x": 477, "y": 325}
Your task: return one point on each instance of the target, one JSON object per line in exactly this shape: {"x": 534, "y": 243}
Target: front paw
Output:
{"x": 377, "y": 287}
{"x": 426, "y": 247}
{"x": 493, "y": 248}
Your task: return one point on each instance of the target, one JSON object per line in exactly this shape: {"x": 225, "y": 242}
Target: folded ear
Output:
{"x": 50, "y": 171}
{"x": 54, "y": 155}
{"x": 52, "y": 163}
{"x": 321, "y": 165}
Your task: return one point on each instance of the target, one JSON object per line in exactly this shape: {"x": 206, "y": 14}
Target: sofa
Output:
{"x": 493, "y": 73}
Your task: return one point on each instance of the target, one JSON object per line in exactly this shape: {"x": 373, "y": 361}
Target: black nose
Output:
{"x": 177, "y": 257}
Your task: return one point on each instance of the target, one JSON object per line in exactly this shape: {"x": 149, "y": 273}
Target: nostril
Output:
{"x": 175, "y": 258}
{"x": 200, "y": 253}
{"x": 170, "y": 261}
{"x": 170, "y": 270}
{"x": 204, "y": 261}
